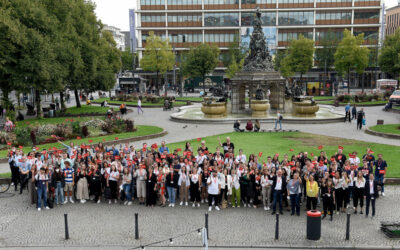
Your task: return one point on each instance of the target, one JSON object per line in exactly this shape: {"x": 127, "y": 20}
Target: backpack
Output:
{"x": 280, "y": 117}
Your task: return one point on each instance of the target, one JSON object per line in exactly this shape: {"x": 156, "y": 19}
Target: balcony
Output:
{"x": 366, "y": 20}
{"x": 366, "y": 3}
{"x": 153, "y": 24}
{"x": 295, "y": 5}
{"x": 261, "y": 5}
{"x": 327, "y": 5}
{"x": 221, "y": 6}
{"x": 184, "y": 7}
{"x": 152, "y": 7}
{"x": 333, "y": 22}
{"x": 184, "y": 24}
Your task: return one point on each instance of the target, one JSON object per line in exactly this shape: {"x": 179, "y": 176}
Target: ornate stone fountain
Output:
{"x": 212, "y": 108}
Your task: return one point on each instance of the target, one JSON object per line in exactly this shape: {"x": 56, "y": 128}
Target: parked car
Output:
{"x": 395, "y": 97}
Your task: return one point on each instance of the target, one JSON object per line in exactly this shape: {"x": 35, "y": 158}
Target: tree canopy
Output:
{"x": 350, "y": 55}
{"x": 200, "y": 61}
{"x": 389, "y": 59}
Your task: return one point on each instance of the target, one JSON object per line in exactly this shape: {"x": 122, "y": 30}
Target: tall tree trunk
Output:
{"x": 348, "y": 81}
{"x": 204, "y": 84}
{"x": 78, "y": 103}
{"x": 6, "y": 100}
{"x": 301, "y": 82}
{"x": 165, "y": 85}
{"x": 37, "y": 100}
{"x": 157, "y": 85}
{"x": 62, "y": 100}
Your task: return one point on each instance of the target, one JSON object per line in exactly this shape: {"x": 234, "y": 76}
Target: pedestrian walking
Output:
{"x": 348, "y": 115}
{"x": 139, "y": 105}
{"x": 360, "y": 118}
{"x": 278, "y": 120}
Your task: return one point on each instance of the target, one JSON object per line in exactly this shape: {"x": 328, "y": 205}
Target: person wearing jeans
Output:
{"x": 278, "y": 120}
{"x": 380, "y": 172}
{"x": 42, "y": 186}
{"x": 171, "y": 182}
{"x": 58, "y": 183}
{"x": 293, "y": 189}
{"x": 126, "y": 185}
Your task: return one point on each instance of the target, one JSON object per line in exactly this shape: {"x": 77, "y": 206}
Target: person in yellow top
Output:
{"x": 312, "y": 191}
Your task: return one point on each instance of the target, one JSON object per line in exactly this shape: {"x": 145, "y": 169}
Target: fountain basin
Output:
{"x": 214, "y": 109}
{"x": 305, "y": 108}
{"x": 259, "y": 108}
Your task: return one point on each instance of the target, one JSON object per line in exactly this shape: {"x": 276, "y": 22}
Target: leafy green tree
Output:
{"x": 127, "y": 58}
{"x": 325, "y": 55}
{"x": 157, "y": 57}
{"x": 280, "y": 54}
{"x": 234, "y": 67}
{"x": 350, "y": 55}
{"x": 200, "y": 61}
{"x": 389, "y": 58}
{"x": 299, "y": 57}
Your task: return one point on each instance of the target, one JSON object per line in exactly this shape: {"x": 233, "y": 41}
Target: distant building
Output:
{"x": 127, "y": 39}
{"x": 392, "y": 20}
{"x": 119, "y": 37}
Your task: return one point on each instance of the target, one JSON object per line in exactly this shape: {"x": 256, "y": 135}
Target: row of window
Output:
{"x": 288, "y": 36}
{"x": 323, "y": 35}
{"x": 345, "y": 15}
{"x": 185, "y": 18}
{"x": 219, "y": 38}
{"x": 267, "y": 18}
{"x": 185, "y": 38}
{"x": 199, "y": 2}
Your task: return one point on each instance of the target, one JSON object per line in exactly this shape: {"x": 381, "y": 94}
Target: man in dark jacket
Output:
{"x": 278, "y": 187}
{"x": 171, "y": 182}
{"x": 370, "y": 194}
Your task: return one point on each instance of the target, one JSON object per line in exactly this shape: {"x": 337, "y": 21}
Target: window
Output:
{"x": 221, "y": 19}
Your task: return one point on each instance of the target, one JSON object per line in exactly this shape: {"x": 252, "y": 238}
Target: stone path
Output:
{"x": 109, "y": 226}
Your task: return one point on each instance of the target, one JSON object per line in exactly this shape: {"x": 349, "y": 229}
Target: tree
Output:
{"x": 325, "y": 55}
{"x": 350, "y": 55}
{"x": 127, "y": 58}
{"x": 389, "y": 59}
{"x": 280, "y": 54}
{"x": 299, "y": 57}
{"x": 234, "y": 67}
{"x": 200, "y": 61}
{"x": 157, "y": 57}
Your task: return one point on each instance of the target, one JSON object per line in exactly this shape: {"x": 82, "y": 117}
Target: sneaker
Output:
{"x": 83, "y": 201}
{"x": 217, "y": 208}
{"x": 38, "y": 209}
{"x": 173, "y": 205}
{"x": 71, "y": 200}
{"x": 233, "y": 206}
{"x": 47, "y": 208}
{"x": 206, "y": 200}
{"x": 116, "y": 201}
{"x": 265, "y": 208}
{"x": 383, "y": 194}
{"x": 268, "y": 208}
{"x": 98, "y": 202}
{"x": 209, "y": 209}
{"x": 180, "y": 204}
{"x": 193, "y": 204}
{"x": 186, "y": 203}
{"x": 245, "y": 205}
{"x": 202, "y": 201}
{"x": 66, "y": 201}
{"x": 170, "y": 205}
{"x": 198, "y": 204}
{"x": 129, "y": 203}
{"x": 126, "y": 202}
{"x": 109, "y": 202}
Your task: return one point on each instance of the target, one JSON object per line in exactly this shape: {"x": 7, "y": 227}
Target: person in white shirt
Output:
{"x": 195, "y": 179}
{"x": 358, "y": 192}
{"x": 214, "y": 189}
{"x": 235, "y": 186}
{"x": 355, "y": 160}
{"x": 139, "y": 106}
{"x": 241, "y": 157}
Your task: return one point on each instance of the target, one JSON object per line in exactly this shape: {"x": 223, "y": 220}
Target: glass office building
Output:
{"x": 187, "y": 23}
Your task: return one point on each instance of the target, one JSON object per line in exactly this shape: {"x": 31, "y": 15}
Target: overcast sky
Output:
{"x": 116, "y": 12}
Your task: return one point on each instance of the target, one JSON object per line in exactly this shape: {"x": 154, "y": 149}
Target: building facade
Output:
{"x": 119, "y": 37}
{"x": 392, "y": 20}
{"x": 187, "y": 23}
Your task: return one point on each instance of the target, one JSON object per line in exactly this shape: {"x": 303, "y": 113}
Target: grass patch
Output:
{"x": 86, "y": 109}
{"x": 192, "y": 99}
{"x": 144, "y": 104}
{"x": 396, "y": 107}
{"x": 55, "y": 120}
{"x": 5, "y": 175}
{"x": 331, "y": 102}
{"x": 387, "y": 128}
{"x": 317, "y": 98}
{"x": 271, "y": 143}
{"x": 141, "y": 131}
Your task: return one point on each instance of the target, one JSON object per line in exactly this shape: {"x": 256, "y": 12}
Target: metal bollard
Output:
{"x": 206, "y": 223}
{"x": 66, "y": 226}
{"x": 277, "y": 227}
{"x": 348, "y": 227}
{"x": 136, "y": 226}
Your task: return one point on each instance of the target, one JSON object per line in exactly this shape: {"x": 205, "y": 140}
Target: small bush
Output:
{"x": 129, "y": 126}
{"x": 76, "y": 128}
{"x": 22, "y": 135}
{"x": 61, "y": 130}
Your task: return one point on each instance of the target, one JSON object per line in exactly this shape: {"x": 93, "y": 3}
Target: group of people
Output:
{"x": 227, "y": 177}
{"x": 353, "y": 114}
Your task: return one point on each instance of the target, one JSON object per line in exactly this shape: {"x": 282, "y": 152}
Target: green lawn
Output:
{"x": 144, "y": 104}
{"x": 86, "y": 109}
{"x": 193, "y": 99}
{"x": 271, "y": 143}
{"x": 387, "y": 128}
{"x": 5, "y": 175}
{"x": 141, "y": 130}
{"x": 357, "y": 103}
{"x": 324, "y": 98}
{"x": 396, "y": 107}
{"x": 55, "y": 120}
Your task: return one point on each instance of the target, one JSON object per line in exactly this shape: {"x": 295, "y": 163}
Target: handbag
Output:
{"x": 364, "y": 122}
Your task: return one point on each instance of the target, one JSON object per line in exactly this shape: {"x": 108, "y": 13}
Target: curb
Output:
{"x": 396, "y": 111}
{"x": 386, "y": 135}
{"x": 143, "y": 106}
{"x": 120, "y": 141}
{"x": 358, "y": 105}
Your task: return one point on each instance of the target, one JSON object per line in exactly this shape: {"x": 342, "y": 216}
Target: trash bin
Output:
{"x": 313, "y": 225}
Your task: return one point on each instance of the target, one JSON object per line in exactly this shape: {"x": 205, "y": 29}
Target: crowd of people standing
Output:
{"x": 227, "y": 177}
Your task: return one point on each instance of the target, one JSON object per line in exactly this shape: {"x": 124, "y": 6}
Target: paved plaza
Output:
{"x": 112, "y": 226}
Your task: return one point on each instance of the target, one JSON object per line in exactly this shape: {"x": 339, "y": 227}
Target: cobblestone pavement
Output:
{"x": 112, "y": 226}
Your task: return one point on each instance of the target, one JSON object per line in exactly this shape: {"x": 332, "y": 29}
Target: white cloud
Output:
{"x": 115, "y": 12}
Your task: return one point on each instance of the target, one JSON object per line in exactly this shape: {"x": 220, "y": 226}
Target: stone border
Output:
{"x": 396, "y": 111}
{"x": 386, "y": 135}
{"x": 134, "y": 106}
{"x": 120, "y": 141}
{"x": 263, "y": 120}
{"x": 358, "y": 105}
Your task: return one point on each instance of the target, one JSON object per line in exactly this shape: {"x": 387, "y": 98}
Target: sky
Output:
{"x": 116, "y": 12}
